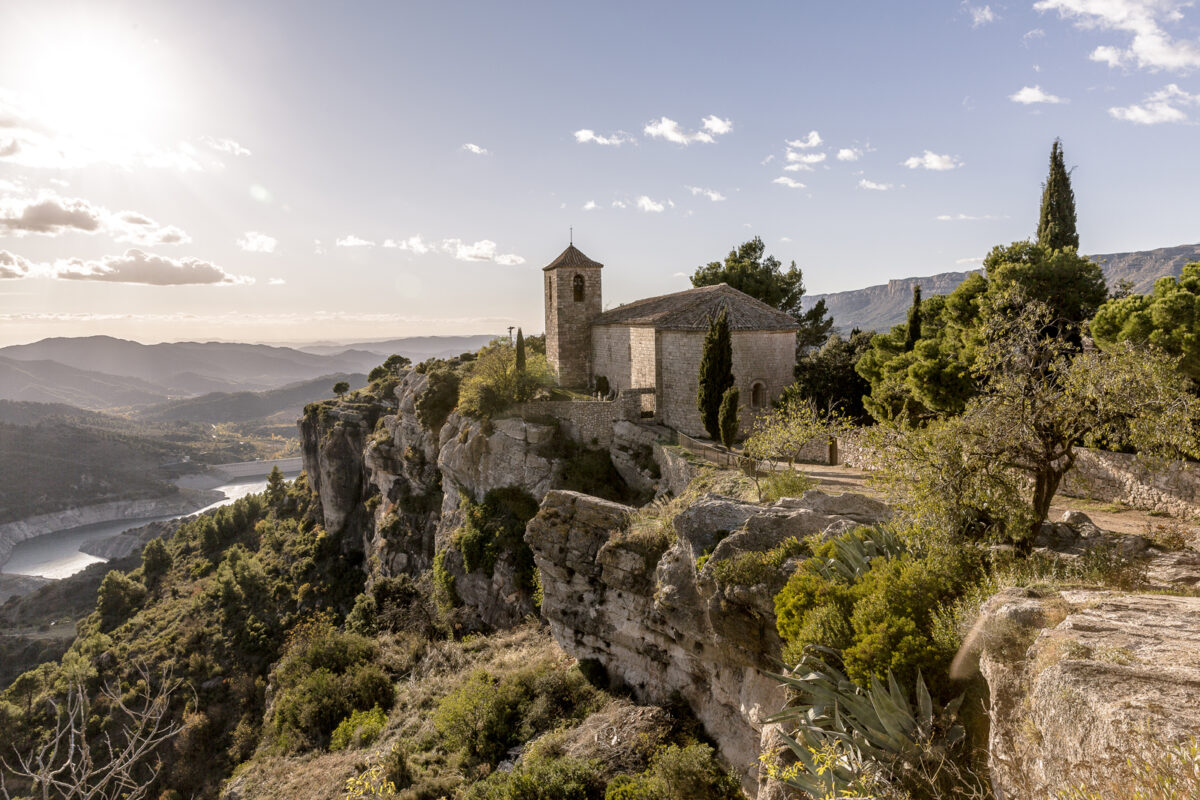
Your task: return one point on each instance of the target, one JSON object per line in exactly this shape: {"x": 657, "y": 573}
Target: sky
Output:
{"x": 354, "y": 171}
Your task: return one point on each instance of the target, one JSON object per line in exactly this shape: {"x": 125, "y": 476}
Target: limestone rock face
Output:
{"x": 332, "y": 439}
{"x": 662, "y": 628}
{"x": 474, "y": 459}
{"x": 1083, "y": 680}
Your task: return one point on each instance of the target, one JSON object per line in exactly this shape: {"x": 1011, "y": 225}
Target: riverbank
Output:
{"x": 179, "y": 503}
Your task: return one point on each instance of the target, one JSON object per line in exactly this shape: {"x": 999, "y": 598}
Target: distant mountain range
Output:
{"x": 880, "y": 307}
{"x": 101, "y": 372}
{"x": 217, "y": 407}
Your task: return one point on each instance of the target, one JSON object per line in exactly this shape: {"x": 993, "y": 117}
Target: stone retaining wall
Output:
{"x": 588, "y": 422}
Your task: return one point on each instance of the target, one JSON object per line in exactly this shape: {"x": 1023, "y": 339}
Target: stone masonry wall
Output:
{"x": 568, "y": 322}
{"x": 611, "y": 355}
{"x": 767, "y": 356}
{"x": 588, "y": 422}
{"x": 643, "y": 357}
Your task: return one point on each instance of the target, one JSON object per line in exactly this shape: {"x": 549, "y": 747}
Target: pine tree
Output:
{"x": 276, "y": 487}
{"x": 716, "y": 373}
{"x": 1056, "y": 224}
{"x": 728, "y": 419}
{"x": 914, "y": 320}
{"x": 520, "y": 351}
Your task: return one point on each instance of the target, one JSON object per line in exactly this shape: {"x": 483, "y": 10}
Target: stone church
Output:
{"x": 656, "y": 343}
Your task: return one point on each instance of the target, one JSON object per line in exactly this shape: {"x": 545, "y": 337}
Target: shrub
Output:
{"x": 751, "y": 568}
{"x": 445, "y": 596}
{"x": 495, "y": 526}
{"x": 678, "y": 773}
{"x": 496, "y": 382}
{"x": 119, "y": 597}
{"x": 543, "y": 779}
{"x": 360, "y": 729}
{"x": 863, "y": 593}
{"x": 156, "y": 560}
{"x": 324, "y": 676}
{"x": 438, "y": 399}
{"x": 787, "y": 483}
{"x": 487, "y": 715}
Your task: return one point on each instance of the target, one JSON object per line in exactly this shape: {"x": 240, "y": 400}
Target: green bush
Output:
{"x": 487, "y": 715}
{"x": 877, "y": 606}
{"x": 678, "y": 773}
{"x": 495, "y": 526}
{"x": 787, "y": 483}
{"x": 119, "y": 597}
{"x": 751, "y": 568}
{"x": 496, "y": 381}
{"x": 360, "y": 729}
{"x": 324, "y": 677}
{"x": 438, "y": 399}
{"x": 543, "y": 779}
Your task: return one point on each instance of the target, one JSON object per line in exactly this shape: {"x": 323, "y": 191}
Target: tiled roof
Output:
{"x": 694, "y": 309}
{"x": 572, "y": 257}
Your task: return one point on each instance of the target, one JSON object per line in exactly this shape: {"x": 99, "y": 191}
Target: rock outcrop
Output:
{"x": 639, "y": 607}
{"x": 1083, "y": 681}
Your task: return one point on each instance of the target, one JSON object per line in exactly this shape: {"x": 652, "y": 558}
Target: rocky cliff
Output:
{"x": 636, "y": 603}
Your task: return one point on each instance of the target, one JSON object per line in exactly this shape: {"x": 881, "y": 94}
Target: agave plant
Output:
{"x": 847, "y": 737}
{"x": 856, "y": 551}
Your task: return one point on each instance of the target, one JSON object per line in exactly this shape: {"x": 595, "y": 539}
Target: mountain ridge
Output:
{"x": 881, "y": 306}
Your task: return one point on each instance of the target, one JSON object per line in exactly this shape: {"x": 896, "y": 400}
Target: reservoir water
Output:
{"x": 56, "y": 555}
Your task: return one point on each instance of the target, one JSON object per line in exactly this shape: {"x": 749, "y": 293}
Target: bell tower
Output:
{"x": 572, "y": 298}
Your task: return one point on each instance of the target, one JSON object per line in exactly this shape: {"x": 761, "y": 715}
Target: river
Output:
{"x": 56, "y": 555}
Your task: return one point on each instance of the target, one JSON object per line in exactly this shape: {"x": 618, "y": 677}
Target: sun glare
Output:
{"x": 98, "y": 87}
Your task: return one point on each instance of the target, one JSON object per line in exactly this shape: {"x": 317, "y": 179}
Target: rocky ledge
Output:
{"x": 1084, "y": 681}
{"x": 639, "y": 607}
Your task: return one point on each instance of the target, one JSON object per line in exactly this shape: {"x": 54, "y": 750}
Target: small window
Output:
{"x": 577, "y": 286}
{"x": 758, "y": 395}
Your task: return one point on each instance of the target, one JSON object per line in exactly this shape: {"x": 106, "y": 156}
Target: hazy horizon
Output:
{"x": 295, "y": 172}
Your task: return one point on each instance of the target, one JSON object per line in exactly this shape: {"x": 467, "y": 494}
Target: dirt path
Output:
{"x": 1113, "y": 517}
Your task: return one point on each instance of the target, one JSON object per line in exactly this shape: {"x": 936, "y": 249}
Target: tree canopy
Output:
{"x": 716, "y": 374}
{"x": 1056, "y": 222}
{"x": 748, "y": 269}
{"x": 1168, "y": 318}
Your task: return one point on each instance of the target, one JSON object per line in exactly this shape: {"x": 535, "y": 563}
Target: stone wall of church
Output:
{"x": 768, "y": 357}
{"x": 568, "y": 322}
{"x": 588, "y": 422}
{"x": 625, "y": 355}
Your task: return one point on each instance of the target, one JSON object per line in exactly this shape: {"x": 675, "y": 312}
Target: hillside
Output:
{"x": 881, "y": 307}
{"x": 417, "y": 348}
{"x": 218, "y": 407}
{"x": 187, "y": 368}
{"x": 51, "y": 382}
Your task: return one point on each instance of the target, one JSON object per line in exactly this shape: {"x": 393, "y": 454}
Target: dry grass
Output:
{"x": 1162, "y": 771}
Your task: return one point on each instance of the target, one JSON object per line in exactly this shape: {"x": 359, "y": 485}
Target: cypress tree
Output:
{"x": 1056, "y": 224}
{"x": 914, "y": 320}
{"x": 716, "y": 374}
{"x": 520, "y": 351}
{"x": 729, "y": 416}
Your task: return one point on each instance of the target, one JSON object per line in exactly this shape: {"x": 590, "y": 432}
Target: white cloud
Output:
{"x": 618, "y": 204}
{"x": 791, "y": 183}
{"x": 805, "y": 158}
{"x": 482, "y": 250}
{"x": 797, "y": 168}
{"x": 1161, "y": 106}
{"x": 711, "y": 194}
{"x": 354, "y": 241}
{"x": 225, "y": 145}
{"x": 873, "y": 186}
{"x": 644, "y": 203}
{"x": 1150, "y": 46}
{"x": 14, "y": 266}
{"x": 980, "y": 15}
{"x": 585, "y": 135}
{"x": 767, "y": 160}
{"x": 137, "y": 266}
{"x": 666, "y": 128}
{"x": 255, "y": 242}
{"x": 276, "y": 282}
{"x": 590, "y": 205}
{"x": 975, "y": 260}
{"x": 717, "y": 126}
{"x": 966, "y": 217}
{"x": 785, "y": 238}
{"x": 1028, "y": 95}
{"x": 1107, "y": 54}
{"x": 680, "y": 275}
{"x": 933, "y": 161}
{"x": 1036, "y": 33}
{"x": 51, "y": 215}
{"x": 476, "y": 149}
{"x": 813, "y": 139}
{"x": 849, "y": 154}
